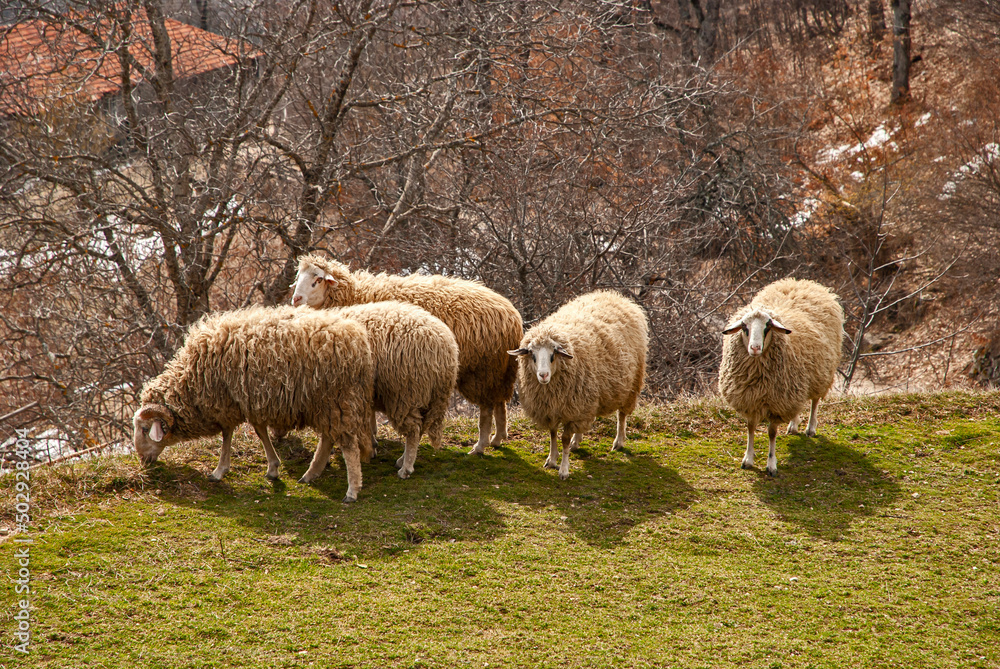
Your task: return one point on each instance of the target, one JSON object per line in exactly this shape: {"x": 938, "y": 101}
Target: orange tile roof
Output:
{"x": 41, "y": 61}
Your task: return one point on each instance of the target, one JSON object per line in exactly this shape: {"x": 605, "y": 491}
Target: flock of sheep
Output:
{"x": 353, "y": 344}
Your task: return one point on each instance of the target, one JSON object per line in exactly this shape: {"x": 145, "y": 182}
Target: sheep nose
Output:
{"x": 296, "y": 300}
{"x": 543, "y": 377}
{"x": 755, "y": 350}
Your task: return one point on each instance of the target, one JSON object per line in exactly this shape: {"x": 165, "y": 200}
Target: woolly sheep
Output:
{"x": 278, "y": 366}
{"x": 586, "y": 360}
{"x": 416, "y": 364}
{"x": 484, "y": 323}
{"x": 786, "y": 352}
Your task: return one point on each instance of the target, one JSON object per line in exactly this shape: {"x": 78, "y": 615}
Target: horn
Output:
{"x": 156, "y": 412}
{"x": 520, "y": 351}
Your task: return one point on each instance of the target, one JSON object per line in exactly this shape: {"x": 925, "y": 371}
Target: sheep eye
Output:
{"x": 145, "y": 430}
{"x": 552, "y": 357}
{"x": 746, "y": 330}
{"x": 533, "y": 358}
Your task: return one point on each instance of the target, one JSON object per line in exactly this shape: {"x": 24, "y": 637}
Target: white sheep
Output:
{"x": 587, "y": 359}
{"x": 786, "y": 352}
{"x": 280, "y": 366}
{"x": 416, "y": 363}
{"x": 484, "y": 323}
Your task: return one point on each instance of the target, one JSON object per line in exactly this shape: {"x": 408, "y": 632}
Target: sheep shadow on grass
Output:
{"x": 823, "y": 486}
{"x": 450, "y": 496}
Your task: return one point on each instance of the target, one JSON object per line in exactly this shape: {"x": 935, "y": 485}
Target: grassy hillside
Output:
{"x": 877, "y": 545}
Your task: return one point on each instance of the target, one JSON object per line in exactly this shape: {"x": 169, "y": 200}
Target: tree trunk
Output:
{"x": 876, "y": 20}
{"x": 900, "y": 51}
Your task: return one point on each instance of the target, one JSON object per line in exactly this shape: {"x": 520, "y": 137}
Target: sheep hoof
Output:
{"x": 773, "y": 473}
{"x": 403, "y": 474}
{"x": 272, "y": 477}
{"x": 477, "y": 451}
{"x": 550, "y": 465}
{"x": 563, "y": 475}
{"x": 746, "y": 465}
{"x": 305, "y": 480}
{"x": 213, "y": 478}
{"x": 350, "y": 500}
{"x": 810, "y": 433}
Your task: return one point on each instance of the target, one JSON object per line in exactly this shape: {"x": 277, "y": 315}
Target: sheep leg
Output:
{"x": 813, "y": 418}
{"x": 436, "y": 434}
{"x": 224, "y": 455}
{"x": 374, "y": 433}
{"x": 550, "y": 463}
{"x": 352, "y": 458}
{"x": 411, "y": 433}
{"x": 793, "y": 427}
{"x": 272, "y": 456}
{"x": 567, "y": 446}
{"x": 500, "y": 417}
{"x": 772, "y": 460}
{"x": 320, "y": 458}
{"x": 748, "y": 455}
{"x": 485, "y": 425}
{"x": 619, "y": 444}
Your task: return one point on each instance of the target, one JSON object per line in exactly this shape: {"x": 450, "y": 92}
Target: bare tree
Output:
{"x": 544, "y": 148}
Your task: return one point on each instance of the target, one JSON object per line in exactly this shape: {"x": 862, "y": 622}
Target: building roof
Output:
{"x": 42, "y": 61}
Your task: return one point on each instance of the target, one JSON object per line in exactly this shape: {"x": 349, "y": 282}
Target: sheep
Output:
{"x": 586, "y": 360}
{"x": 416, "y": 363}
{"x": 787, "y": 352}
{"x": 276, "y": 366}
{"x": 484, "y": 323}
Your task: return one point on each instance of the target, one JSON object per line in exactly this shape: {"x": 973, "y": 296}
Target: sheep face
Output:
{"x": 153, "y": 431}
{"x": 756, "y": 328}
{"x": 543, "y": 356}
{"x": 310, "y": 287}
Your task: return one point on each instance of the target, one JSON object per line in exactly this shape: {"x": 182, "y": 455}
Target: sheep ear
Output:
{"x": 330, "y": 279}
{"x": 563, "y": 353}
{"x": 520, "y": 351}
{"x": 733, "y": 328}
{"x": 779, "y": 327}
{"x": 156, "y": 431}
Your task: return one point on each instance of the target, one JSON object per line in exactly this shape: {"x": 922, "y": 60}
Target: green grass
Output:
{"x": 877, "y": 545}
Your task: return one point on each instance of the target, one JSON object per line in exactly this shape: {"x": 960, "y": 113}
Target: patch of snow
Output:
{"x": 989, "y": 154}
{"x": 879, "y": 137}
{"x": 809, "y": 207}
{"x": 830, "y": 155}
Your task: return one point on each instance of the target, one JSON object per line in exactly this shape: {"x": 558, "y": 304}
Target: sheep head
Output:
{"x": 153, "y": 431}
{"x": 543, "y": 353}
{"x": 322, "y": 282}
{"x": 756, "y": 327}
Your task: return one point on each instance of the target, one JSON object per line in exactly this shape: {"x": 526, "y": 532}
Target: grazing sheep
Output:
{"x": 484, "y": 323}
{"x": 416, "y": 364}
{"x": 786, "y": 353}
{"x": 586, "y": 360}
{"x": 280, "y": 366}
